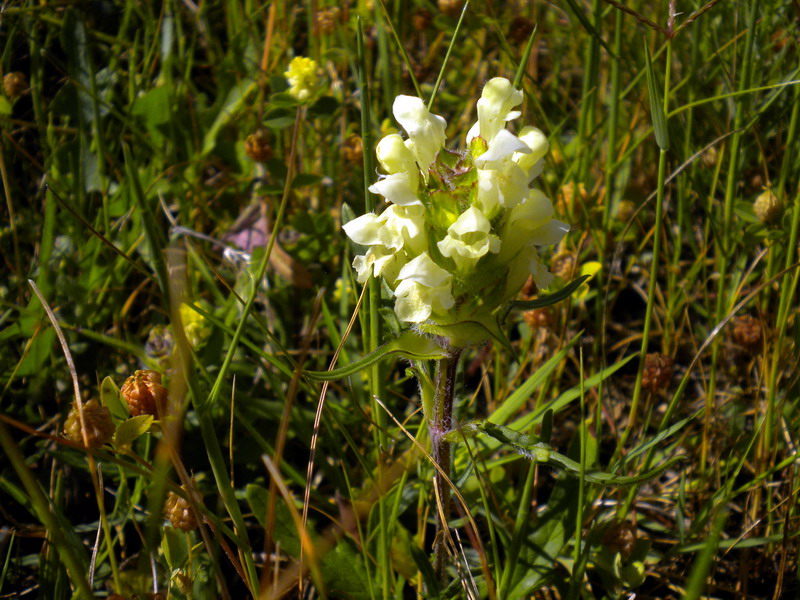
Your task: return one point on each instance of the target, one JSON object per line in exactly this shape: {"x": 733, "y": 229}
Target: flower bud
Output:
{"x": 99, "y": 426}
{"x": 179, "y": 512}
{"x": 767, "y": 206}
{"x": 144, "y": 394}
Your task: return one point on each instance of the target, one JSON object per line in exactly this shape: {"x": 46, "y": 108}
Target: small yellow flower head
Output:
{"x": 195, "y": 325}
{"x": 303, "y": 78}
{"x": 462, "y": 229}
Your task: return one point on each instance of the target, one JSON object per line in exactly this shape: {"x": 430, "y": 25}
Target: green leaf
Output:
{"x": 175, "y": 548}
{"x": 233, "y": 104}
{"x": 548, "y": 300}
{"x": 324, "y": 107}
{"x": 533, "y": 448}
{"x": 111, "y": 398}
{"x": 130, "y": 430}
{"x": 5, "y": 106}
{"x": 656, "y": 104}
{"x": 344, "y": 573}
{"x": 305, "y": 179}
{"x": 283, "y": 529}
{"x": 409, "y": 345}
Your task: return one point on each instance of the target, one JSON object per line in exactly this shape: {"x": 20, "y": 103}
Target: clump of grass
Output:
{"x": 179, "y": 211}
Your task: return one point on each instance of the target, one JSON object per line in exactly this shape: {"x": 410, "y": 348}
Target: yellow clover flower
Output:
{"x": 302, "y": 77}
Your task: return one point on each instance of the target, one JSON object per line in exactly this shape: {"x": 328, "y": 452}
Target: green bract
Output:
{"x": 460, "y": 235}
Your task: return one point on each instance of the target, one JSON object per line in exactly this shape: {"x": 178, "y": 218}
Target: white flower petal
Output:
{"x": 423, "y": 270}
{"x": 503, "y": 145}
{"x": 397, "y": 189}
{"x": 468, "y": 239}
{"x": 550, "y": 233}
{"x": 364, "y": 230}
{"x": 395, "y": 157}
{"x": 425, "y": 130}
{"x": 531, "y": 162}
{"x": 494, "y": 107}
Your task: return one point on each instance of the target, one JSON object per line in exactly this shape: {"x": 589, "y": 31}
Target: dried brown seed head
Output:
{"x": 620, "y": 536}
{"x": 657, "y": 372}
{"x": 179, "y": 513}
{"x": 747, "y": 332}
{"x": 421, "y": 19}
{"x": 520, "y": 29}
{"x": 99, "y": 426}
{"x": 144, "y": 394}
{"x": 451, "y": 8}
{"x": 571, "y": 197}
{"x": 538, "y": 317}
{"x": 327, "y": 19}
{"x": 353, "y": 150}
{"x": 257, "y": 145}
{"x": 15, "y": 84}
{"x": 563, "y": 265}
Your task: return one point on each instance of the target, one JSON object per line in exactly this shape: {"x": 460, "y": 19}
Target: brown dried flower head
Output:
{"x": 257, "y": 145}
{"x": 520, "y": 29}
{"x": 657, "y": 372}
{"x": 144, "y": 393}
{"x": 353, "y": 149}
{"x": 421, "y": 19}
{"x": 451, "y": 8}
{"x": 568, "y": 200}
{"x": 747, "y": 332}
{"x": 563, "y": 265}
{"x": 538, "y": 318}
{"x": 327, "y": 19}
{"x": 15, "y": 84}
{"x": 179, "y": 513}
{"x": 99, "y": 426}
{"x": 620, "y": 536}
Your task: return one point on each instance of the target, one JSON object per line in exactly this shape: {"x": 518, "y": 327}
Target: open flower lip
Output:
{"x": 461, "y": 231}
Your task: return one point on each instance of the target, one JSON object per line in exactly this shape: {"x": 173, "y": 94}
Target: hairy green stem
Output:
{"x": 441, "y": 424}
